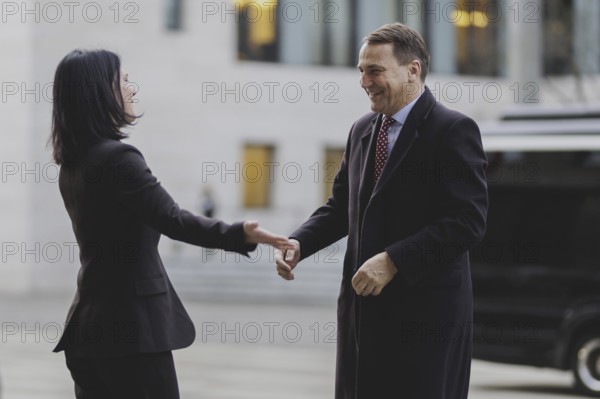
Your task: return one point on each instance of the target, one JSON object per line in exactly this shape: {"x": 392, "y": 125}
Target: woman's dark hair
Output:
{"x": 87, "y": 103}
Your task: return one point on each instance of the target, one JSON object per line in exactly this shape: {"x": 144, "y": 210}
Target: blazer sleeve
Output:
{"x": 142, "y": 194}
{"x": 329, "y": 223}
{"x": 463, "y": 200}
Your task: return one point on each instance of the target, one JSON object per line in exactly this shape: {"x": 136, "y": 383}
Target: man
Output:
{"x": 411, "y": 196}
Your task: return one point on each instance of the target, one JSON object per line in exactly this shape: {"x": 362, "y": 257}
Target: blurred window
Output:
{"x": 477, "y": 37}
{"x": 331, "y": 166}
{"x": 571, "y": 35}
{"x": 173, "y": 14}
{"x": 256, "y": 175}
{"x": 257, "y": 30}
{"x": 558, "y": 37}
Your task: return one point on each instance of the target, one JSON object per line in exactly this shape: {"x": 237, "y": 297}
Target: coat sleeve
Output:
{"x": 463, "y": 200}
{"x": 140, "y": 193}
{"x": 329, "y": 223}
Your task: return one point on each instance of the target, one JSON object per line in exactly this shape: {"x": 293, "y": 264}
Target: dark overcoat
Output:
{"x": 427, "y": 210}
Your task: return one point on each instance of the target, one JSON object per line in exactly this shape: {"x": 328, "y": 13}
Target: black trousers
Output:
{"x": 140, "y": 376}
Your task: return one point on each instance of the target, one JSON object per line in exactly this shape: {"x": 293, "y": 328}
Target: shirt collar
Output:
{"x": 401, "y": 115}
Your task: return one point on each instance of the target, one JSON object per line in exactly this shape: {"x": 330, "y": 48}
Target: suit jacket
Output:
{"x": 426, "y": 211}
{"x": 124, "y": 302}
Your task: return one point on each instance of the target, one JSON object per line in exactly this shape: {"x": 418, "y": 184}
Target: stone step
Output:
{"x": 224, "y": 278}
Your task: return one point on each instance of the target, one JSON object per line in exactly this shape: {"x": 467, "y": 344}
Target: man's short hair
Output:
{"x": 408, "y": 44}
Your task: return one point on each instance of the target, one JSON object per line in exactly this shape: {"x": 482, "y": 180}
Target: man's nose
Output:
{"x": 365, "y": 81}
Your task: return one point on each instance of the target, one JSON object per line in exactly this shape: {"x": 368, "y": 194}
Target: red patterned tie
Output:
{"x": 381, "y": 146}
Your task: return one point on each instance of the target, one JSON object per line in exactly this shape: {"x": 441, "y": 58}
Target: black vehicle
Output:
{"x": 536, "y": 274}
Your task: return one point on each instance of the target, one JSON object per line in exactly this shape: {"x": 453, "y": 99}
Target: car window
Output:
{"x": 544, "y": 210}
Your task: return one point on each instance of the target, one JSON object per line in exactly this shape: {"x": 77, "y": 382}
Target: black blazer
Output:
{"x": 427, "y": 210}
{"x": 124, "y": 302}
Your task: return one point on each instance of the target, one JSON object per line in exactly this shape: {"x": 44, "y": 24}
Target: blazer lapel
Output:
{"x": 408, "y": 135}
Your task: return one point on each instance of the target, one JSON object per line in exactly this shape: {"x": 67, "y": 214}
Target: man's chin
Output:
{"x": 375, "y": 107}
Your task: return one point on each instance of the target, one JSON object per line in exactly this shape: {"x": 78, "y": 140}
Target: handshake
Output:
{"x": 369, "y": 279}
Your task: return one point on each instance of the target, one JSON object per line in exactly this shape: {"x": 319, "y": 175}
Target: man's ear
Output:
{"x": 414, "y": 70}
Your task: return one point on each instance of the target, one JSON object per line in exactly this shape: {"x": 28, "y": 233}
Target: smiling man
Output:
{"x": 411, "y": 196}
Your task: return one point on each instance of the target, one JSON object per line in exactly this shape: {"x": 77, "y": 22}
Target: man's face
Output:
{"x": 390, "y": 86}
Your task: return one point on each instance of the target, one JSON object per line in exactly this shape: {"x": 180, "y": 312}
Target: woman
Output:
{"x": 126, "y": 317}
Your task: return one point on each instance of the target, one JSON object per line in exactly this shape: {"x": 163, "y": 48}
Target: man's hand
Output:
{"x": 257, "y": 235}
{"x": 286, "y": 260}
{"x": 373, "y": 275}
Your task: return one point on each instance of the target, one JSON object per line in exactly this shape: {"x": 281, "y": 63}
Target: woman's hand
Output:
{"x": 257, "y": 235}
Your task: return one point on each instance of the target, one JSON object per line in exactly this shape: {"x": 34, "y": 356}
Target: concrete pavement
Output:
{"x": 242, "y": 351}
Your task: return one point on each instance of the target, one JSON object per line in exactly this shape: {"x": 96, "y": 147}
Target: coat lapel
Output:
{"x": 408, "y": 135}
{"x": 367, "y": 160}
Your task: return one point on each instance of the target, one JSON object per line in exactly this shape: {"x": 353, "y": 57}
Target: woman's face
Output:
{"x": 128, "y": 92}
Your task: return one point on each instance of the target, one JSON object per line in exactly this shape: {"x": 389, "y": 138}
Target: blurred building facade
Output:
{"x": 252, "y": 101}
